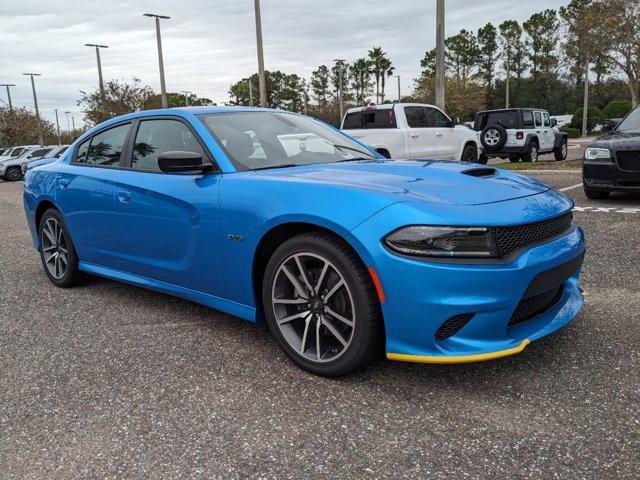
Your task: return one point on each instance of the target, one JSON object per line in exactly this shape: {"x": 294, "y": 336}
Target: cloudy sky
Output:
{"x": 209, "y": 45}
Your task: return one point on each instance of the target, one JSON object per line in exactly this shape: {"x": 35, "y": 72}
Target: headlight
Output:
{"x": 597, "y": 153}
{"x": 427, "y": 241}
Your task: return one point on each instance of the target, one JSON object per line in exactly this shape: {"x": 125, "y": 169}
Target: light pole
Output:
{"x": 186, "y": 97}
{"x": 163, "y": 88}
{"x": 261, "y": 77}
{"x": 98, "y": 47}
{"x": 73, "y": 122}
{"x": 68, "y": 124}
{"x": 58, "y": 126}
{"x": 440, "y": 66}
{"x": 35, "y": 101}
{"x": 8, "y": 85}
{"x": 399, "y": 95}
{"x": 250, "y": 93}
{"x": 339, "y": 62}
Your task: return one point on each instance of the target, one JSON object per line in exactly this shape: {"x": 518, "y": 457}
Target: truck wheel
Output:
{"x": 470, "y": 153}
{"x": 13, "y": 174}
{"x": 493, "y": 137}
{"x": 595, "y": 194}
{"x": 532, "y": 153}
{"x": 483, "y": 159}
{"x": 560, "y": 153}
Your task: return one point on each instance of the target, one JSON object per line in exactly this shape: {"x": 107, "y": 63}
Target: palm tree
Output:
{"x": 360, "y": 72}
{"x": 375, "y": 56}
{"x": 387, "y": 70}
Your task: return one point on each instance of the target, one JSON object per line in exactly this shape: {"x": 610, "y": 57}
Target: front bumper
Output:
{"x": 607, "y": 176}
{"x": 422, "y": 295}
{"x": 3, "y": 169}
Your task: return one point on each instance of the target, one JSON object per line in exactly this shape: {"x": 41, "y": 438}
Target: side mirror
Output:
{"x": 455, "y": 121}
{"x": 554, "y": 122}
{"x": 182, "y": 162}
{"x": 609, "y": 125}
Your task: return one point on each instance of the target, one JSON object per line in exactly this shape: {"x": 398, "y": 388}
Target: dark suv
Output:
{"x": 612, "y": 162}
{"x": 519, "y": 134}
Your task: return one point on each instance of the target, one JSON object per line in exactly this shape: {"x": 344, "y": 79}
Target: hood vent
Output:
{"x": 482, "y": 172}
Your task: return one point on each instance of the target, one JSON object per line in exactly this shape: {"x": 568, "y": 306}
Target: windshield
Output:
{"x": 258, "y": 140}
{"x": 631, "y": 123}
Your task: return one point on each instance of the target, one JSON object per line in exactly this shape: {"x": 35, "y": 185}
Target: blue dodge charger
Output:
{"x": 273, "y": 216}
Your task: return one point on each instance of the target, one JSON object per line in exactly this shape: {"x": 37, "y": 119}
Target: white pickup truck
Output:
{"x": 412, "y": 130}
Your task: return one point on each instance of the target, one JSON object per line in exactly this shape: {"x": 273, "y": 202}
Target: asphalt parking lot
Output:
{"x": 109, "y": 380}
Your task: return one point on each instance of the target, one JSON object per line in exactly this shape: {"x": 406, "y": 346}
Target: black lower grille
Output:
{"x": 510, "y": 239}
{"x": 453, "y": 325}
{"x": 628, "y": 160}
{"x": 531, "y": 307}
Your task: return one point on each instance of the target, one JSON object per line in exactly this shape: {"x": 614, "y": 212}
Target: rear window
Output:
{"x": 506, "y": 118}
{"x": 383, "y": 118}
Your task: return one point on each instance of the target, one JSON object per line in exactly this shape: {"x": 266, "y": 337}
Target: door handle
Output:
{"x": 63, "y": 182}
{"x": 438, "y": 134}
{"x": 124, "y": 196}
{"x": 414, "y": 135}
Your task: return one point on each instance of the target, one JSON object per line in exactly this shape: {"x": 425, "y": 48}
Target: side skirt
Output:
{"x": 227, "y": 306}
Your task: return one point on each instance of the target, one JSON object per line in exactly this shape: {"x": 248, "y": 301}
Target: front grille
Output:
{"x": 510, "y": 239}
{"x": 453, "y": 325}
{"x": 535, "y": 305}
{"x": 628, "y": 160}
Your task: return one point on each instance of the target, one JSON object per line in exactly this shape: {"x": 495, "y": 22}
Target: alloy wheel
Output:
{"x": 534, "y": 153}
{"x": 313, "y": 307}
{"x": 54, "y": 248}
{"x": 13, "y": 174}
{"x": 565, "y": 150}
{"x": 492, "y": 137}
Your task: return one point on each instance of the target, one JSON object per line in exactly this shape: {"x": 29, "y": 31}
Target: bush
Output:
{"x": 594, "y": 117}
{"x": 616, "y": 109}
{"x": 571, "y": 132}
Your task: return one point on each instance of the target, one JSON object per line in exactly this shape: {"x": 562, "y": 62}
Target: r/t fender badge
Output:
{"x": 235, "y": 237}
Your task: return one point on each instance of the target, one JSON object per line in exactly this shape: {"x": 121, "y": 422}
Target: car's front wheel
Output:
{"x": 596, "y": 194}
{"x": 321, "y": 306}
{"x": 13, "y": 174}
{"x": 58, "y": 255}
{"x": 470, "y": 154}
{"x": 561, "y": 152}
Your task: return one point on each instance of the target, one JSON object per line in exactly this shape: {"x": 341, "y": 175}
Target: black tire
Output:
{"x": 384, "y": 153}
{"x": 365, "y": 339}
{"x": 13, "y": 174}
{"x": 470, "y": 153}
{"x": 483, "y": 159}
{"x": 532, "y": 153}
{"x": 596, "y": 194}
{"x": 514, "y": 158}
{"x": 493, "y": 137}
{"x": 561, "y": 152}
{"x": 72, "y": 274}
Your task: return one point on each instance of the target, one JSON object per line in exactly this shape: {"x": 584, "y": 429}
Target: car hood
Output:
{"x": 620, "y": 139}
{"x": 435, "y": 181}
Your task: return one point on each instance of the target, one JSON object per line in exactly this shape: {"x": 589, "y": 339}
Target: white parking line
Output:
{"x": 571, "y": 187}
{"x": 607, "y": 210}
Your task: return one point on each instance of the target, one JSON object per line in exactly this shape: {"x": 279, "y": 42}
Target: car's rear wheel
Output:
{"x": 13, "y": 174}
{"x": 596, "y": 194}
{"x": 561, "y": 152}
{"x": 470, "y": 153}
{"x": 321, "y": 306}
{"x": 58, "y": 255}
{"x": 483, "y": 159}
{"x": 532, "y": 153}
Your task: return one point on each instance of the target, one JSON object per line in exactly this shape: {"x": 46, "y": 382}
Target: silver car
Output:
{"x": 11, "y": 167}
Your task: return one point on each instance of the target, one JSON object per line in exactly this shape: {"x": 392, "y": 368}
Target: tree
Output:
{"x": 320, "y": 84}
{"x": 542, "y": 29}
{"x": 19, "y": 126}
{"x": 428, "y": 63}
{"x": 378, "y": 60}
{"x": 285, "y": 91}
{"x": 119, "y": 98}
{"x": 585, "y": 40}
{"x": 462, "y": 54}
{"x": 623, "y": 23}
{"x": 488, "y": 49}
{"x": 387, "y": 70}
{"x": 361, "y": 80}
{"x": 511, "y": 43}
{"x": 341, "y": 68}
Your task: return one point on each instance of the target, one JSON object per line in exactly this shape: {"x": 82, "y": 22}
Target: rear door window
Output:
{"x": 106, "y": 147}
{"x": 379, "y": 118}
{"x": 416, "y": 117}
{"x": 527, "y": 119}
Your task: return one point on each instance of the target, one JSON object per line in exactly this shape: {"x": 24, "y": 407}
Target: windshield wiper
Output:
{"x": 282, "y": 165}
{"x": 345, "y": 147}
